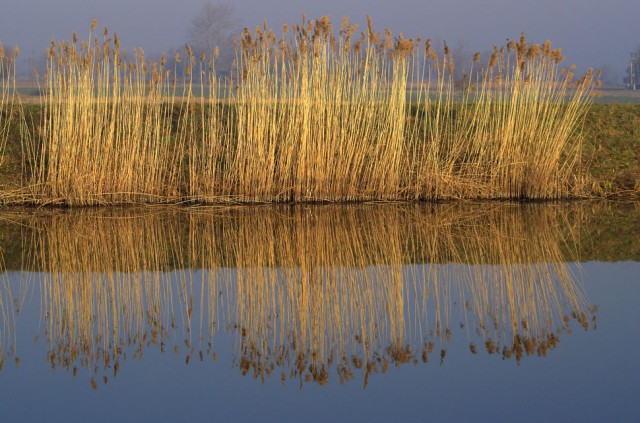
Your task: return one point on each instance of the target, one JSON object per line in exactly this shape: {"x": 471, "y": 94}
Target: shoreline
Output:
{"x": 580, "y": 231}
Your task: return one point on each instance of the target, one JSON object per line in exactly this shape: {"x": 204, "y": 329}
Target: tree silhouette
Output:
{"x": 214, "y": 26}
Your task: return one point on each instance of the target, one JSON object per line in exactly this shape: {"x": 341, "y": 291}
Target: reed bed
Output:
{"x": 303, "y": 290}
{"x": 8, "y": 96}
{"x": 107, "y": 126}
{"x": 311, "y": 115}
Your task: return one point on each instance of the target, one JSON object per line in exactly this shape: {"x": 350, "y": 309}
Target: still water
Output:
{"x": 527, "y": 312}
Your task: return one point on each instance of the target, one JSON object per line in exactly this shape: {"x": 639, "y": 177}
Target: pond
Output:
{"x": 375, "y": 312}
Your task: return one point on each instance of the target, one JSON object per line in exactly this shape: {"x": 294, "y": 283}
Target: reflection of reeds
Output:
{"x": 307, "y": 288}
{"x": 10, "y": 304}
{"x": 12, "y": 122}
{"x": 7, "y": 317}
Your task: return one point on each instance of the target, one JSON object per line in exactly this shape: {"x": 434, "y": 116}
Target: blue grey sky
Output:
{"x": 590, "y": 32}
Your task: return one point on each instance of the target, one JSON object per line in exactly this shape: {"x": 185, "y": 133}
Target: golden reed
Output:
{"x": 311, "y": 115}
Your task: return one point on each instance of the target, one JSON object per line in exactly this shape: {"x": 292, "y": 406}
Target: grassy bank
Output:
{"x": 308, "y": 116}
{"x": 611, "y": 152}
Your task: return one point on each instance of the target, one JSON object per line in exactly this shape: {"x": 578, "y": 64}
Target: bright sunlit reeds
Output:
{"x": 8, "y": 95}
{"x": 107, "y": 133}
{"x": 312, "y": 114}
{"x": 324, "y": 118}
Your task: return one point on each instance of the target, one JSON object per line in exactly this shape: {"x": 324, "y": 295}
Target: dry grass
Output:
{"x": 304, "y": 289}
{"x": 307, "y": 116}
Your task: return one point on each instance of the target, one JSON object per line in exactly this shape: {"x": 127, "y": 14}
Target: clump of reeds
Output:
{"x": 325, "y": 118}
{"x": 107, "y": 133}
{"x": 316, "y": 118}
{"x": 520, "y": 125}
{"x": 311, "y": 115}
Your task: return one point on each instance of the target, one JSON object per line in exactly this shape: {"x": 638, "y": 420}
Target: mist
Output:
{"x": 590, "y": 32}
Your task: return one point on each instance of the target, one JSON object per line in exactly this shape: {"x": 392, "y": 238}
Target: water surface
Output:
{"x": 342, "y": 313}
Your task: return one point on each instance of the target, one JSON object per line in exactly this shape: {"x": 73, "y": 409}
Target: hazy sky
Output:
{"x": 590, "y": 32}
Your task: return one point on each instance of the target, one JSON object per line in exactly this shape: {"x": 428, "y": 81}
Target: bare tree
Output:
{"x": 610, "y": 76}
{"x": 214, "y": 27}
{"x": 462, "y": 60}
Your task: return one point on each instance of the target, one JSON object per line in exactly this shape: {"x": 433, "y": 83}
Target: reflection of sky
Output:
{"x": 591, "y": 376}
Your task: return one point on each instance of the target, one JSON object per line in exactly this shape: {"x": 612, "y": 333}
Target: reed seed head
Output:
{"x": 94, "y": 24}
{"x": 51, "y": 51}
{"x": 586, "y": 79}
{"x": 522, "y": 45}
{"x": 493, "y": 60}
{"x": 388, "y": 38}
{"x": 546, "y": 48}
{"x": 357, "y": 46}
{"x": 433, "y": 55}
{"x": 345, "y": 24}
{"x": 533, "y": 52}
{"x": 374, "y": 37}
{"x": 556, "y": 56}
{"x": 404, "y": 46}
{"x": 323, "y": 26}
